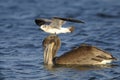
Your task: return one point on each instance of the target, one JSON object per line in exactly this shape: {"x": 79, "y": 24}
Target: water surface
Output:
{"x": 21, "y": 53}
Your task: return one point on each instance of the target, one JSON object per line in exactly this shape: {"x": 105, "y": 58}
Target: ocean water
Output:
{"x": 21, "y": 52}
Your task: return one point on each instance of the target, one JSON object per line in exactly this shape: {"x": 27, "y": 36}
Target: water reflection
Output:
{"x": 80, "y": 67}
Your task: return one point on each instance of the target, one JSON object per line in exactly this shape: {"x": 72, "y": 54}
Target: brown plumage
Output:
{"x": 82, "y": 55}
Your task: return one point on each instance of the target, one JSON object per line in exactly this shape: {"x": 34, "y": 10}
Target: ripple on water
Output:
{"x": 21, "y": 52}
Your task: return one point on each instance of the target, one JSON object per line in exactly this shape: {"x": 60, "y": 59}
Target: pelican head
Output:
{"x": 51, "y": 44}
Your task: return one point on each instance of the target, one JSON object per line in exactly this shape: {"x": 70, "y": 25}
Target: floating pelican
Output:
{"x": 82, "y": 55}
{"x": 54, "y": 26}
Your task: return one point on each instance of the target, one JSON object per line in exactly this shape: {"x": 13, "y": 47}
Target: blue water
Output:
{"x": 21, "y": 52}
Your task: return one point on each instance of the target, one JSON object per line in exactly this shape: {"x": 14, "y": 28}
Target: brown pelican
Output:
{"x": 54, "y": 26}
{"x": 82, "y": 55}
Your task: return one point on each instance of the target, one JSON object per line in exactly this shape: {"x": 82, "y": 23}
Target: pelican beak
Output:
{"x": 48, "y": 53}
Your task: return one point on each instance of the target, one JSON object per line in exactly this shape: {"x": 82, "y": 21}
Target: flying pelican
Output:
{"x": 82, "y": 55}
{"x": 54, "y": 26}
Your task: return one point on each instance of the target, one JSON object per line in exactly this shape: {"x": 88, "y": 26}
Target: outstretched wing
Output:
{"x": 57, "y": 23}
{"x": 69, "y": 19}
{"x": 41, "y": 21}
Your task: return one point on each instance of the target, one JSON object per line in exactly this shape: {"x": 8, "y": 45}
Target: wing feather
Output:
{"x": 69, "y": 19}
{"x": 40, "y": 21}
{"x": 57, "y": 23}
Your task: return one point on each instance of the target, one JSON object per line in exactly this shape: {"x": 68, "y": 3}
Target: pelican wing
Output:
{"x": 69, "y": 19}
{"x": 57, "y": 23}
{"x": 84, "y": 55}
{"x": 40, "y": 21}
